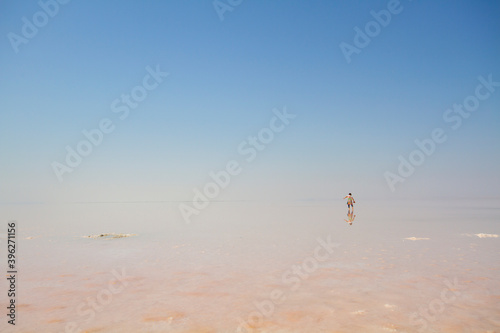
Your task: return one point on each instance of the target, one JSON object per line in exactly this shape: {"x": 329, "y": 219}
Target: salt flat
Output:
{"x": 404, "y": 266}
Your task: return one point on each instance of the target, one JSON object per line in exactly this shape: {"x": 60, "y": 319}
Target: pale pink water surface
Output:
{"x": 225, "y": 270}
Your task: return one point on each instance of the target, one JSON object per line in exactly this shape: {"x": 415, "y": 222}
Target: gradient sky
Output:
{"x": 225, "y": 78}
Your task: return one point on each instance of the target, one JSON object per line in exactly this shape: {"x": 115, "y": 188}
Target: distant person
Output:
{"x": 350, "y": 201}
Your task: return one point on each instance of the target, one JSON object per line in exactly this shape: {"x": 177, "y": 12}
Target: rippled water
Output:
{"x": 404, "y": 266}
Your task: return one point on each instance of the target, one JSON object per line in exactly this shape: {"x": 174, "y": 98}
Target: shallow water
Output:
{"x": 250, "y": 266}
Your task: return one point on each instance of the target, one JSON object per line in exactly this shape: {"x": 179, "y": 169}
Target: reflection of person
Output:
{"x": 350, "y": 201}
{"x": 351, "y": 217}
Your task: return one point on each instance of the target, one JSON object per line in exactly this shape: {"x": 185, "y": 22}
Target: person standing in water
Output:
{"x": 350, "y": 201}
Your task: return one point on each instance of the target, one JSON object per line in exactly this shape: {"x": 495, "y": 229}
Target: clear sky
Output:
{"x": 225, "y": 78}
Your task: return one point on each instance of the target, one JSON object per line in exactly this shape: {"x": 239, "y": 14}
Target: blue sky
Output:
{"x": 225, "y": 78}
